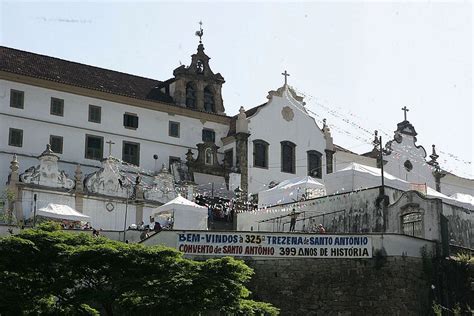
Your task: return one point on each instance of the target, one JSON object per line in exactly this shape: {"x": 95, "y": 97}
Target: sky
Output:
{"x": 357, "y": 63}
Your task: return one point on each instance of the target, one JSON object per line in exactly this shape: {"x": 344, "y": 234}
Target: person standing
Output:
{"x": 293, "y": 216}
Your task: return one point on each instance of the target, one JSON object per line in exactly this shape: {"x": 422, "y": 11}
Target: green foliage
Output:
{"x": 49, "y": 226}
{"x": 464, "y": 258}
{"x": 437, "y": 310}
{"x": 48, "y": 271}
{"x": 450, "y": 282}
{"x": 6, "y": 199}
{"x": 251, "y": 308}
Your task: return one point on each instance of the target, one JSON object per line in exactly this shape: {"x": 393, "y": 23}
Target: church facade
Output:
{"x": 103, "y": 125}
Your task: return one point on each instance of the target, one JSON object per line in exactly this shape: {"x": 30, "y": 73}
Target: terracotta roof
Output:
{"x": 80, "y": 75}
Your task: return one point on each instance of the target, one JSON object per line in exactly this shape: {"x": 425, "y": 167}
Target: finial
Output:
{"x": 376, "y": 140}
{"x": 200, "y": 33}
{"x": 405, "y": 110}
{"x": 434, "y": 156}
{"x": 47, "y": 151}
{"x": 14, "y": 164}
{"x": 286, "y": 74}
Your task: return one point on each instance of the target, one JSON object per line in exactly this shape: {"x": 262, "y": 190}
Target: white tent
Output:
{"x": 357, "y": 176}
{"x": 60, "y": 211}
{"x": 186, "y": 214}
{"x": 291, "y": 190}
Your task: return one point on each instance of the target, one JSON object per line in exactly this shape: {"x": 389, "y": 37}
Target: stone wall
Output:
{"x": 377, "y": 286}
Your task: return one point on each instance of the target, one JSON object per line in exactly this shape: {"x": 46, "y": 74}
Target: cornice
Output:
{"x": 151, "y": 105}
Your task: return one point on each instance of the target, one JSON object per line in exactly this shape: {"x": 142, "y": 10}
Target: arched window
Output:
{"x": 260, "y": 153}
{"x": 315, "y": 164}
{"x": 208, "y": 100}
{"x": 208, "y": 156}
{"x": 190, "y": 96}
{"x": 288, "y": 157}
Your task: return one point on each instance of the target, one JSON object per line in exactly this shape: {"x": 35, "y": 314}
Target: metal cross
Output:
{"x": 110, "y": 146}
{"x": 405, "y": 110}
{"x": 286, "y": 74}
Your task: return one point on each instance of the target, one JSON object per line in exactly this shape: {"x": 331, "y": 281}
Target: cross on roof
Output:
{"x": 286, "y": 74}
{"x": 110, "y": 146}
{"x": 405, "y": 110}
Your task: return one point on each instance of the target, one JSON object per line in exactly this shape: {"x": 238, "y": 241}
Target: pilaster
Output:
{"x": 242, "y": 152}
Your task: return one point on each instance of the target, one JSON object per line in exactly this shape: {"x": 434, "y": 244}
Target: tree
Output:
{"x": 48, "y": 271}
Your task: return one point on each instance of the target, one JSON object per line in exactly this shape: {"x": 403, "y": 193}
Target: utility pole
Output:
{"x": 34, "y": 214}
{"x": 382, "y": 191}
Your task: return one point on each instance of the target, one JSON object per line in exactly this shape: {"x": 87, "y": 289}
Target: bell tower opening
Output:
{"x": 190, "y": 95}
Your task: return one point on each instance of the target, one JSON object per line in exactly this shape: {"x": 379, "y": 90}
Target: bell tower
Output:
{"x": 196, "y": 86}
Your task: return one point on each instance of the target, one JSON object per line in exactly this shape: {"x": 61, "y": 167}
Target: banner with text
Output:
{"x": 275, "y": 245}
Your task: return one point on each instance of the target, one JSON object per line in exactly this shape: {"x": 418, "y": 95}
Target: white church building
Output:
{"x": 109, "y": 130}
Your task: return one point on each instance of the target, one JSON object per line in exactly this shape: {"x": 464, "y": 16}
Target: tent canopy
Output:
{"x": 60, "y": 211}
{"x": 291, "y": 190}
{"x": 187, "y": 214}
{"x": 357, "y": 176}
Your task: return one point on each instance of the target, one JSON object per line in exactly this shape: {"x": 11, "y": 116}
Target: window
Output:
{"x": 412, "y": 224}
{"x": 173, "y": 129}
{"x": 260, "y": 153}
{"x": 131, "y": 153}
{"x": 57, "y": 107}
{"x": 130, "y": 120}
{"x": 315, "y": 164}
{"x": 229, "y": 158}
{"x": 56, "y": 143}
{"x": 15, "y": 137}
{"x": 16, "y": 99}
{"x": 95, "y": 113}
{"x": 208, "y": 159}
{"x": 208, "y": 100}
{"x": 94, "y": 147}
{"x": 288, "y": 157}
{"x": 172, "y": 160}
{"x": 190, "y": 96}
{"x": 208, "y": 135}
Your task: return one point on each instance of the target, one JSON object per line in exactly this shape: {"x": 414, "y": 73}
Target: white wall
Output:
{"x": 38, "y": 124}
{"x": 269, "y": 125}
{"x": 408, "y": 150}
{"x": 451, "y": 184}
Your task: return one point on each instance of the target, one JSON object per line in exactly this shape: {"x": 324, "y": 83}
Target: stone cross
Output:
{"x": 405, "y": 110}
{"x": 110, "y": 146}
{"x": 286, "y": 74}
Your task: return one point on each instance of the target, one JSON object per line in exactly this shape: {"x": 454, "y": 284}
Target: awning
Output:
{"x": 60, "y": 211}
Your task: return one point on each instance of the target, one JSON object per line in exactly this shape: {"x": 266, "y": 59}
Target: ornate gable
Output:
{"x": 108, "y": 180}
{"x": 163, "y": 189}
{"x": 47, "y": 173}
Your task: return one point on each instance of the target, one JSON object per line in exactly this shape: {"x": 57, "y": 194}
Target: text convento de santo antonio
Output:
{"x": 261, "y": 244}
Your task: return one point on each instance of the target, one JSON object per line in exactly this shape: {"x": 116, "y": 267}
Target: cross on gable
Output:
{"x": 110, "y": 146}
{"x": 286, "y": 74}
{"x": 405, "y": 110}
